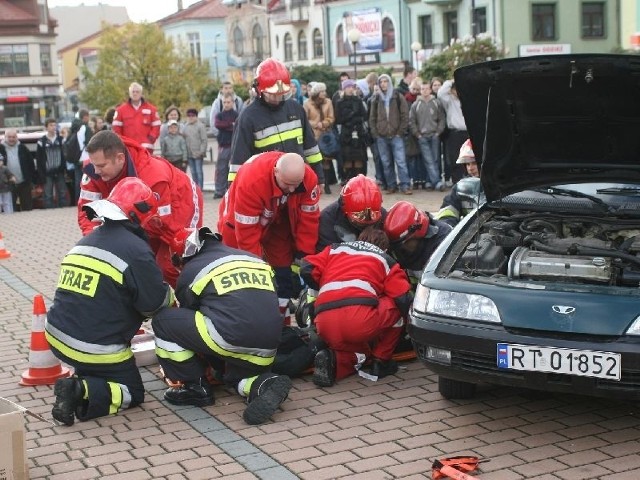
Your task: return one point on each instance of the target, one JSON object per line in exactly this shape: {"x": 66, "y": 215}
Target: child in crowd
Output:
{"x": 7, "y": 180}
{"x": 174, "y": 147}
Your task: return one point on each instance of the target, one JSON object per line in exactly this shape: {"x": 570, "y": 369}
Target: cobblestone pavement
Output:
{"x": 357, "y": 429}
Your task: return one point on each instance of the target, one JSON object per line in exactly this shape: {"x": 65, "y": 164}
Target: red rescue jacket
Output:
{"x": 141, "y": 124}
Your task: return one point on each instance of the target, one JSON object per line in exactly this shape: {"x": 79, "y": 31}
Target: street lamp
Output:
{"x": 416, "y": 47}
{"x": 354, "y": 37}
{"x": 215, "y": 55}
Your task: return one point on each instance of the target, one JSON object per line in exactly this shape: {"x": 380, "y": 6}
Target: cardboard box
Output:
{"x": 13, "y": 451}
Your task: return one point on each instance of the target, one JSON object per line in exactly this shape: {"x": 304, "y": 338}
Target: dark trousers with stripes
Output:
{"x": 99, "y": 380}
{"x": 178, "y": 325}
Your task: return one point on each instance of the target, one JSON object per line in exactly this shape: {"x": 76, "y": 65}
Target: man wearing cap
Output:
{"x": 112, "y": 159}
{"x": 466, "y": 194}
{"x": 272, "y": 210}
{"x": 273, "y": 122}
{"x": 195, "y": 134}
{"x": 108, "y": 284}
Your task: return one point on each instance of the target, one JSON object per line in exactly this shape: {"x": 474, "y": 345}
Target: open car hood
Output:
{"x": 553, "y": 119}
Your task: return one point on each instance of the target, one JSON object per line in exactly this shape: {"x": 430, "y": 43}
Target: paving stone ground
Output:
{"x": 357, "y": 429}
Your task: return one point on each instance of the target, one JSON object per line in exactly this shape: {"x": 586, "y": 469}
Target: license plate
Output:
{"x": 584, "y": 363}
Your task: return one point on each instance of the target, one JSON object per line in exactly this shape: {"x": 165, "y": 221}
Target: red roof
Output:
{"x": 198, "y": 11}
{"x": 11, "y": 13}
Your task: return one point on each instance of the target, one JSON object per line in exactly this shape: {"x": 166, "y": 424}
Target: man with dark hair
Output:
{"x": 408, "y": 75}
{"x": 50, "y": 162}
{"x": 111, "y": 159}
{"x": 17, "y": 157}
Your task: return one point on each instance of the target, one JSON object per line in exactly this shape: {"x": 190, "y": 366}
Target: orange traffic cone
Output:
{"x": 4, "y": 253}
{"x": 44, "y": 367}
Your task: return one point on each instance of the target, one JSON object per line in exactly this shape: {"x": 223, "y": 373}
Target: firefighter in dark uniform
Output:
{"x": 109, "y": 283}
{"x": 359, "y": 206}
{"x": 273, "y": 122}
{"x": 467, "y": 193}
{"x": 228, "y": 311}
{"x": 414, "y": 236}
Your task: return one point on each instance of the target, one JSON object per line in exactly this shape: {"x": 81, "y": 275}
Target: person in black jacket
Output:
{"x": 50, "y": 163}
{"x": 17, "y": 157}
{"x": 351, "y": 120}
{"x": 108, "y": 284}
{"x": 228, "y": 314}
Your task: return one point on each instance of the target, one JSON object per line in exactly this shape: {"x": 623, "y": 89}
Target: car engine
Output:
{"x": 535, "y": 246}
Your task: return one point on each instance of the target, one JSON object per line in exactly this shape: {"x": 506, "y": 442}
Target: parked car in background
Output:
{"x": 540, "y": 286}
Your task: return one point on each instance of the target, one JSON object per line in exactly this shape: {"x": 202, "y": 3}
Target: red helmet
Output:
{"x": 131, "y": 199}
{"x": 272, "y": 76}
{"x": 405, "y": 221}
{"x": 361, "y": 201}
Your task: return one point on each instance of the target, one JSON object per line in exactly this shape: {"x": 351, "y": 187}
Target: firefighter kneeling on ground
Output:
{"x": 109, "y": 283}
{"x": 363, "y": 299}
{"x": 229, "y": 311}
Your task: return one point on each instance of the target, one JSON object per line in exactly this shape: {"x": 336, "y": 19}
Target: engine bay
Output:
{"x": 550, "y": 247}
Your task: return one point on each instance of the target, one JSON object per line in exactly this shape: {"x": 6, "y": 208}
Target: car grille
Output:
{"x": 486, "y": 365}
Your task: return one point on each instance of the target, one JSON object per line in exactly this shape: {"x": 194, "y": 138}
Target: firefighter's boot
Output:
{"x": 69, "y": 393}
{"x": 324, "y": 368}
{"x": 268, "y": 391}
{"x": 199, "y": 394}
{"x": 383, "y": 368}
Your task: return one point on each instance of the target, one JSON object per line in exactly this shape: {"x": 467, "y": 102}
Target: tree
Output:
{"x": 462, "y": 52}
{"x": 141, "y": 53}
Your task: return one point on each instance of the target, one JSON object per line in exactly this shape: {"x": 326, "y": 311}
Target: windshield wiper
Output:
{"x": 628, "y": 191}
{"x": 573, "y": 193}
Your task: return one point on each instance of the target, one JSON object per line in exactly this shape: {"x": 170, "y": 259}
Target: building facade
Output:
{"x": 29, "y": 86}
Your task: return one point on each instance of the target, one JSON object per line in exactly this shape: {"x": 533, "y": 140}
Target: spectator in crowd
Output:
{"x": 236, "y": 323}
{"x": 408, "y": 75}
{"x": 109, "y": 283}
{"x": 436, "y": 83}
{"x": 273, "y": 122}
{"x": 296, "y": 91}
{"x": 427, "y": 121}
{"x": 216, "y": 106}
{"x": 195, "y": 134}
{"x": 305, "y": 90}
{"x": 467, "y": 194}
{"x": 80, "y": 127}
{"x": 99, "y": 124}
{"x": 112, "y": 159}
{"x": 51, "y": 166}
{"x": 319, "y": 110}
{"x": 224, "y": 122}
{"x": 137, "y": 119}
{"x": 271, "y": 210}
{"x": 358, "y": 206}
{"x": 457, "y": 128}
{"x": 18, "y": 159}
{"x": 171, "y": 113}
{"x": 411, "y": 147}
{"x": 337, "y": 95}
{"x": 414, "y": 236}
{"x": 359, "y": 282}
{"x": 174, "y": 147}
{"x": 108, "y": 116}
{"x": 389, "y": 120}
{"x": 7, "y": 181}
{"x": 351, "y": 120}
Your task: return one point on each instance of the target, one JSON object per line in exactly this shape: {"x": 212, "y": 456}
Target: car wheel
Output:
{"x": 452, "y": 389}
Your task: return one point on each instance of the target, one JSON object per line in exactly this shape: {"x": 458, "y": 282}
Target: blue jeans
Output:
{"x": 51, "y": 181}
{"x": 195, "y": 167}
{"x": 430, "y": 149}
{"x": 222, "y": 170}
{"x": 391, "y": 150}
{"x": 77, "y": 177}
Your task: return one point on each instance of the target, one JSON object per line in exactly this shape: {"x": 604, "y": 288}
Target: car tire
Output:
{"x": 455, "y": 389}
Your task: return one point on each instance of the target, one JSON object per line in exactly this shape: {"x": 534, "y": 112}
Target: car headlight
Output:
{"x": 456, "y": 304}
{"x": 634, "y": 329}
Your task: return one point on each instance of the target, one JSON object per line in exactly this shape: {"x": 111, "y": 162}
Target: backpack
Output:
{"x": 71, "y": 148}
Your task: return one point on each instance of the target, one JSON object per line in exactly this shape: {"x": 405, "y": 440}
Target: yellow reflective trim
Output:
{"x": 294, "y": 133}
{"x": 314, "y": 158}
{"x": 181, "y": 356}
{"x": 86, "y": 390}
{"x": 78, "y": 280}
{"x": 204, "y": 334}
{"x": 236, "y": 275}
{"x": 246, "y": 388}
{"x": 92, "y": 358}
{"x": 116, "y": 398}
{"x": 232, "y": 176}
{"x": 95, "y": 264}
